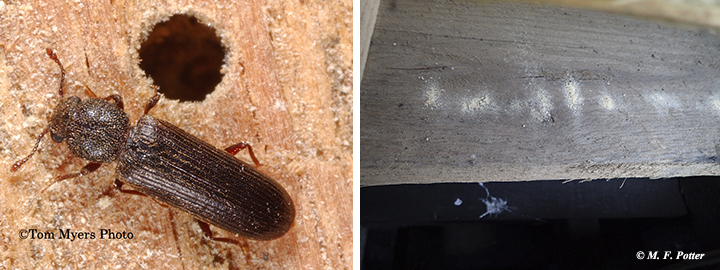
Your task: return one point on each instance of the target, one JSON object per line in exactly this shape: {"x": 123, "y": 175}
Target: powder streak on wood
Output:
{"x": 511, "y": 91}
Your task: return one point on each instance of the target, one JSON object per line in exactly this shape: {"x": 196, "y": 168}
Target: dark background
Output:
{"x": 600, "y": 224}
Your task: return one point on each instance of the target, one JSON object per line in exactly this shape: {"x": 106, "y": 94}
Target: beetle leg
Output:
{"x": 90, "y": 92}
{"x": 117, "y": 99}
{"x": 234, "y": 149}
{"x": 90, "y": 167}
{"x": 206, "y": 229}
{"x": 153, "y": 100}
{"x": 119, "y": 184}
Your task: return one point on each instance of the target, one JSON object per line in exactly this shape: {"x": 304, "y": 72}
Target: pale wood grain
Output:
{"x": 286, "y": 89}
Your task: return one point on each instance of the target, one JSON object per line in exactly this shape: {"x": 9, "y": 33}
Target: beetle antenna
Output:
{"x": 53, "y": 56}
{"x": 21, "y": 162}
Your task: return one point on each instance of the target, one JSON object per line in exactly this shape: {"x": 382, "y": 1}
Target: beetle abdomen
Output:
{"x": 167, "y": 163}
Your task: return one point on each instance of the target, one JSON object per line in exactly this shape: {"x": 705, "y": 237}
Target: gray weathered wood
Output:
{"x": 467, "y": 91}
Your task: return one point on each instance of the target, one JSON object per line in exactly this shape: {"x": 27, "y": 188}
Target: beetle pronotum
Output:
{"x": 164, "y": 162}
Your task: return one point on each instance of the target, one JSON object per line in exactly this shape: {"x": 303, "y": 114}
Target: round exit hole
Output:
{"x": 183, "y": 57}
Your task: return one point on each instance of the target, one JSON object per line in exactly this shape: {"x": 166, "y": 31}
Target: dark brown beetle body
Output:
{"x": 165, "y": 162}
{"x": 94, "y": 129}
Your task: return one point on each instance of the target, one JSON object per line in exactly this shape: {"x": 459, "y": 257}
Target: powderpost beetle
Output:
{"x": 168, "y": 164}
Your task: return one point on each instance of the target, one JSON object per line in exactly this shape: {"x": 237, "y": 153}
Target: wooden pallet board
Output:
{"x": 457, "y": 91}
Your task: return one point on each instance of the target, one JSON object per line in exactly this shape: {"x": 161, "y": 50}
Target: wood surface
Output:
{"x": 464, "y": 91}
{"x": 286, "y": 89}
{"x": 705, "y": 14}
{"x": 368, "y": 14}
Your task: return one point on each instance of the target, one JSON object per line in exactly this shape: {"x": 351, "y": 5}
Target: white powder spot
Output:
{"x": 280, "y": 106}
{"x": 572, "y": 94}
{"x": 494, "y": 205}
{"x": 458, "y": 202}
{"x": 540, "y": 106}
{"x": 606, "y": 102}
{"x": 716, "y": 104}
{"x": 103, "y": 202}
{"x": 663, "y": 102}
{"x": 480, "y": 103}
{"x": 432, "y": 95}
